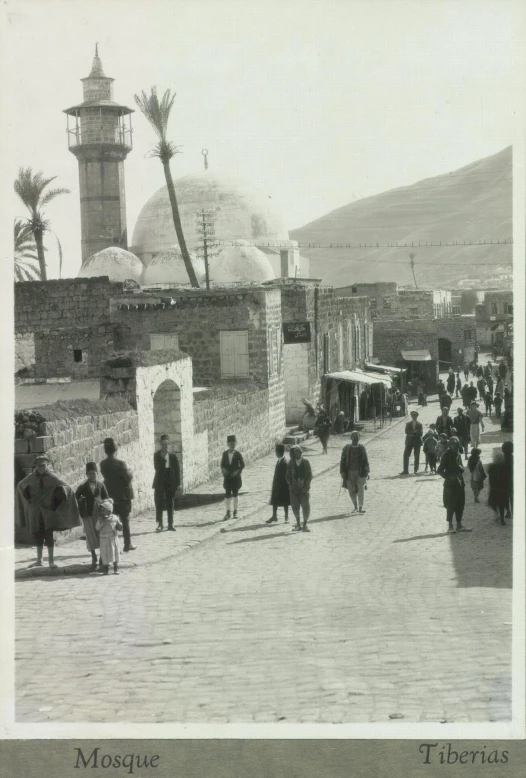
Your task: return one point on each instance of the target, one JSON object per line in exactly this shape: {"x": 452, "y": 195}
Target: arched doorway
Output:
{"x": 444, "y": 354}
{"x": 167, "y": 417}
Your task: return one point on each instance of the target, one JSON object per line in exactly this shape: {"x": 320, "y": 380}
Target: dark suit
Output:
{"x": 165, "y": 484}
{"x": 117, "y": 480}
{"x": 232, "y": 472}
{"x": 86, "y": 498}
{"x": 413, "y": 442}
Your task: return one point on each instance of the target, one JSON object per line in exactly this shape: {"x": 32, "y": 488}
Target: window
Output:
{"x": 413, "y": 311}
{"x": 350, "y": 351}
{"x": 468, "y": 334}
{"x": 77, "y": 355}
{"x": 273, "y": 352}
{"x": 366, "y": 342}
{"x": 234, "y": 354}
{"x": 357, "y": 343}
{"x": 510, "y": 308}
{"x": 161, "y": 341}
{"x": 326, "y": 353}
{"x": 340, "y": 344}
{"x": 493, "y": 308}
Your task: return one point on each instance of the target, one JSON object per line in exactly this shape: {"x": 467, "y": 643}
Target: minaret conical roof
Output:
{"x": 96, "y": 68}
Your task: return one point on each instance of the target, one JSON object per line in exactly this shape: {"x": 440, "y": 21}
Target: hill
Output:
{"x": 472, "y": 203}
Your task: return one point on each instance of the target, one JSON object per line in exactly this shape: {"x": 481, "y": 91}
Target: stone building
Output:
{"x": 390, "y": 302}
{"x": 494, "y": 320}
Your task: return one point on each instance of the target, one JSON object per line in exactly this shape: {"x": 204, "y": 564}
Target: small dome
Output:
{"x": 240, "y": 262}
{"x": 117, "y": 263}
{"x": 168, "y": 268}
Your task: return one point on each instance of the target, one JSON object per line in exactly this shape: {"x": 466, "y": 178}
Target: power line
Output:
{"x": 390, "y": 245}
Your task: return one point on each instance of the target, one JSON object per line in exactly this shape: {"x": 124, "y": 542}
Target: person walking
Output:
{"x": 232, "y": 465}
{"x": 465, "y": 397}
{"x": 466, "y": 371}
{"x": 323, "y": 427}
{"x": 500, "y": 386}
{"x": 45, "y": 504}
{"x": 480, "y": 371}
{"x": 497, "y": 402}
{"x": 481, "y": 386}
{"x": 445, "y": 400}
{"x": 471, "y": 393}
{"x": 478, "y": 474}
{"x": 118, "y": 481}
{"x": 451, "y": 382}
{"x": 89, "y": 495}
{"x": 299, "y": 478}
{"x": 488, "y": 402}
{"x": 441, "y": 387}
{"x": 499, "y": 486}
{"x": 461, "y": 424}
{"x": 476, "y": 422}
{"x": 108, "y": 526}
{"x": 430, "y": 441}
{"x": 503, "y": 370}
{"x": 354, "y": 470}
{"x": 166, "y": 482}
{"x": 413, "y": 442}
{"x": 491, "y": 383}
{"x": 458, "y": 386}
{"x": 454, "y": 494}
{"x": 444, "y": 423}
{"x": 280, "y": 496}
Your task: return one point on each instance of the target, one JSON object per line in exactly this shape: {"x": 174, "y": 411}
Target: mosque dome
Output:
{"x": 240, "y": 211}
{"x": 168, "y": 268}
{"x": 241, "y": 262}
{"x": 117, "y": 263}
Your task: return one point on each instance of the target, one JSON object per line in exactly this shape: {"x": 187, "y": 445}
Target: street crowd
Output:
{"x": 45, "y": 504}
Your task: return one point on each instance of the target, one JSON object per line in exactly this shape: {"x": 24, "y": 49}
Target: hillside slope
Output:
{"x": 472, "y": 203}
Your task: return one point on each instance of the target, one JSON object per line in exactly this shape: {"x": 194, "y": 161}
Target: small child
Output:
{"x": 108, "y": 527}
{"x": 442, "y": 446}
{"x": 89, "y": 494}
{"x": 232, "y": 465}
{"x": 430, "y": 440}
{"x": 488, "y": 400}
{"x": 478, "y": 474}
{"x": 458, "y": 385}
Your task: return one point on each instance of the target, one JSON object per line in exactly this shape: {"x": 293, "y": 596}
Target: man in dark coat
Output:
{"x": 445, "y": 400}
{"x": 462, "y": 426}
{"x": 117, "y": 480}
{"x": 471, "y": 392}
{"x": 451, "y": 381}
{"x": 413, "y": 442}
{"x": 444, "y": 423}
{"x": 503, "y": 370}
{"x": 454, "y": 496}
{"x": 280, "y": 497}
{"x": 166, "y": 482}
{"x": 481, "y": 386}
{"x": 354, "y": 470}
{"x": 232, "y": 464}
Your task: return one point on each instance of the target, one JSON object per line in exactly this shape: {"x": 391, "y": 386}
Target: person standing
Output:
{"x": 458, "y": 386}
{"x": 354, "y": 470}
{"x": 166, "y": 482}
{"x": 108, "y": 526}
{"x": 488, "y": 402}
{"x": 45, "y": 504}
{"x": 481, "y": 386}
{"x": 461, "y": 426}
{"x": 476, "y": 422}
{"x": 445, "y": 400}
{"x": 497, "y": 402}
{"x": 323, "y": 426}
{"x": 506, "y": 424}
{"x": 500, "y": 386}
{"x": 299, "y": 478}
{"x": 430, "y": 441}
{"x": 478, "y": 474}
{"x": 499, "y": 486}
{"x": 503, "y": 370}
{"x": 466, "y": 371}
{"x": 465, "y": 397}
{"x": 444, "y": 423}
{"x": 118, "y": 481}
{"x": 89, "y": 495}
{"x": 491, "y": 383}
{"x": 452, "y": 472}
{"x": 471, "y": 392}
{"x": 451, "y": 382}
{"x": 280, "y": 497}
{"x": 232, "y": 465}
{"x": 413, "y": 442}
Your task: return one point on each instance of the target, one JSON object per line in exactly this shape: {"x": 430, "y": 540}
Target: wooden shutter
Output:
{"x": 234, "y": 354}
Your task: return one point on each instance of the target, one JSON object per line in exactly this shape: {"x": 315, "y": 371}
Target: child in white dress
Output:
{"x": 108, "y": 527}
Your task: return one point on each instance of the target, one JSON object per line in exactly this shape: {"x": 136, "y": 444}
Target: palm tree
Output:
{"x": 25, "y": 253}
{"x": 30, "y": 188}
{"x": 412, "y": 256}
{"x": 158, "y": 114}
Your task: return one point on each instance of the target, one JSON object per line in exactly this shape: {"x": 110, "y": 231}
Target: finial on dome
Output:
{"x": 96, "y": 68}
{"x": 204, "y": 152}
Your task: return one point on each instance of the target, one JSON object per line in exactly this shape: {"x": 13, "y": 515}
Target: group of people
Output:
{"x": 490, "y": 389}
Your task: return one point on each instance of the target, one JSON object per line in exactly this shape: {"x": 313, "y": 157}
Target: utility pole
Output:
{"x": 206, "y": 230}
{"x": 412, "y": 256}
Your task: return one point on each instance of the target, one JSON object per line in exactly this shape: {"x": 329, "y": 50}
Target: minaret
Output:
{"x": 100, "y": 138}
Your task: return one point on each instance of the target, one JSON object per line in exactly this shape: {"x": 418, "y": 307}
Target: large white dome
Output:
{"x": 240, "y": 211}
{"x": 238, "y": 263}
{"x": 168, "y": 268}
{"x": 117, "y": 263}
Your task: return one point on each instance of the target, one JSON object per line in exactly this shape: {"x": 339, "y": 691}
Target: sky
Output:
{"x": 317, "y": 103}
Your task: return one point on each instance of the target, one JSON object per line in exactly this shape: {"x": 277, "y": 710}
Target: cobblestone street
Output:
{"x": 368, "y": 616}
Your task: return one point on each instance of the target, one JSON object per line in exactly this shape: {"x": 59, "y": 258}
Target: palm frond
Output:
{"x": 49, "y": 196}
{"x": 157, "y": 113}
{"x": 164, "y": 150}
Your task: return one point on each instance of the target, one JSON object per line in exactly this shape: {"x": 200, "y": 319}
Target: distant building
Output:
{"x": 494, "y": 320}
{"x": 390, "y": 302}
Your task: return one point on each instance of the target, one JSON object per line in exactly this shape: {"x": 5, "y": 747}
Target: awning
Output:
{"x": 386, "y": 368}
{"x": 421, "y": 355}
{"x": 359, "y": 377}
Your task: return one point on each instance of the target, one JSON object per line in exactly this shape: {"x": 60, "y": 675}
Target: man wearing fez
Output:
{"x": 117, "y": 480}
{"x": 45, "y": 504}
{"x": 231, "y": 466}
{"x": 165, "y": 483}
{"x": 413, "y": 442}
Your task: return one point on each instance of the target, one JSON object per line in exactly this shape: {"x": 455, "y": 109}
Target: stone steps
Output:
{"x": 295, "y": 436}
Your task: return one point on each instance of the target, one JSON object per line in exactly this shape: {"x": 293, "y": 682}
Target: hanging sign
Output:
{"x": 296, "y": 332}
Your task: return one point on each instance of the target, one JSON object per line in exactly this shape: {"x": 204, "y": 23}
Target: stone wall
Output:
{"x": 24, "y": 351}
{"x": 198, "y": 319}
{"x": 77, "y": 352}
{"x": 44, "y": 306}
